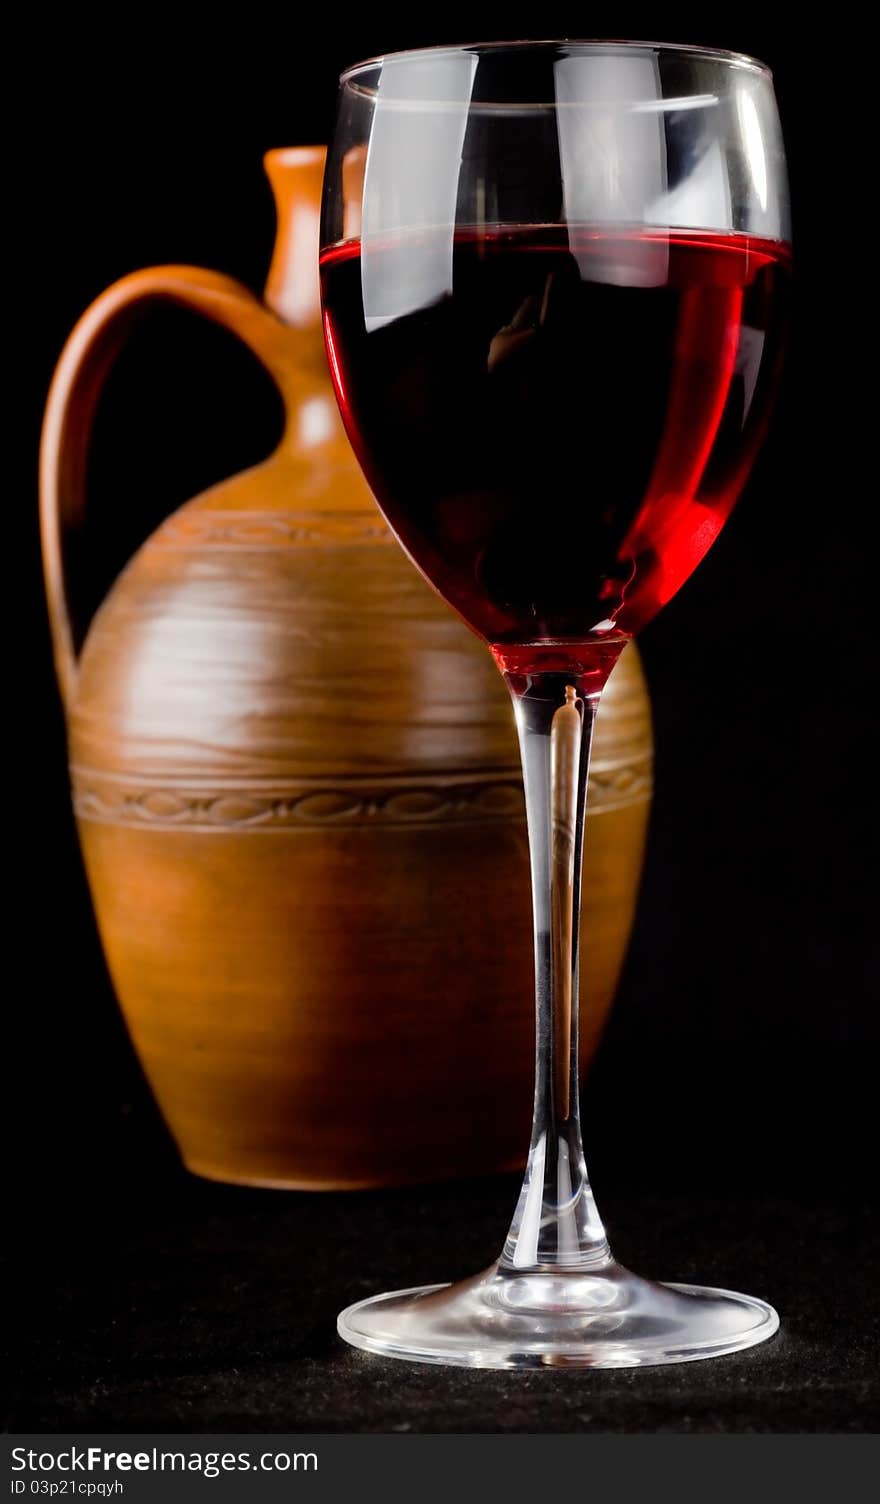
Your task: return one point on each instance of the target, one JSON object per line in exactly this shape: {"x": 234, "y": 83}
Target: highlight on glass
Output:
{"x": 554, "y": 281}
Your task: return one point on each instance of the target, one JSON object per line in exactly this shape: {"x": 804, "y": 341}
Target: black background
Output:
{"x": 742, "y": 1051}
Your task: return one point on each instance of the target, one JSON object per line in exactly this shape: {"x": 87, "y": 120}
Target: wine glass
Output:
{"x": 554, "y": 284}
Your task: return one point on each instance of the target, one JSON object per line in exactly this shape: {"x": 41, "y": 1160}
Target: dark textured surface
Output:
{"x": 213, "y": 1309}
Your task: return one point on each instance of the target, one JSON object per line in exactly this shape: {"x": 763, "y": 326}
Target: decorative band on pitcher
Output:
{"x": 111, "y": 799}
{"x": 200, "y": 528}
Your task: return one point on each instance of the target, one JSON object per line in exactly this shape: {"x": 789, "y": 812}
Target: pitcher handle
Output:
{"x": 76, "y": 387}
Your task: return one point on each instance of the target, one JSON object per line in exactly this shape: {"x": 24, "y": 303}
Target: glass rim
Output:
{"x": 620, "y": 44}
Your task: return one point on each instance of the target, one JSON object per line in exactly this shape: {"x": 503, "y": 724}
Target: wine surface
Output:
{"x": 555, "y": 420}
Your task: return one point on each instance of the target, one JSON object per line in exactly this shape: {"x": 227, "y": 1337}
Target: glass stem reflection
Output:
{"x": 556, "y": 1224}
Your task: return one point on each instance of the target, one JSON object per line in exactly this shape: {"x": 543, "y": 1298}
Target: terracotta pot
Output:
{"x": 297, "y": 788}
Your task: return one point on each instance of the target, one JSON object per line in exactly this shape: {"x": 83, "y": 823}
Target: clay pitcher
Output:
{"x": 297, "y": 788}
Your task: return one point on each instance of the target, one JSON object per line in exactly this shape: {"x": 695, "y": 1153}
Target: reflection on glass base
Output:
{"x": 592, "y": 1318}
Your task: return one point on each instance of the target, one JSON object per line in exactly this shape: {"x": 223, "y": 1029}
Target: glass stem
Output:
{"x": 556, "y": 1224}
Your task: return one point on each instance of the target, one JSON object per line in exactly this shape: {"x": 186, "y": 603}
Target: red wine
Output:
{"x": 556, "y": 421}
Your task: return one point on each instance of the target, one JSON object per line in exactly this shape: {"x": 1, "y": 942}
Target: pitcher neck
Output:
{"x": 292, "y": 289}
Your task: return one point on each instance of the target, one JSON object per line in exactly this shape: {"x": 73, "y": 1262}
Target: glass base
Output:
{"x": 591, "y": 1318}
